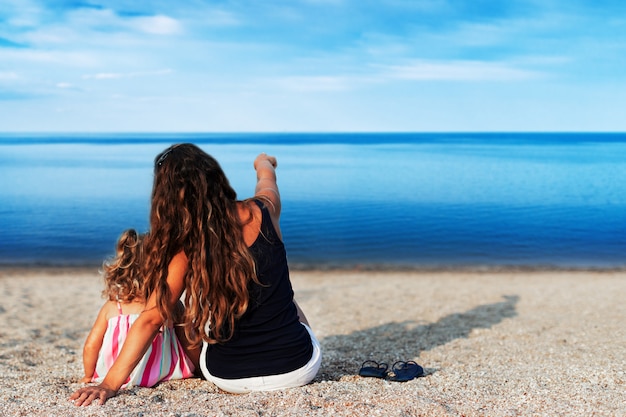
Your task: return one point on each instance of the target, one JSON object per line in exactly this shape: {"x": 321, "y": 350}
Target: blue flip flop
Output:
{"x": 405, "y": 371}
{"x": 373, "y": 369}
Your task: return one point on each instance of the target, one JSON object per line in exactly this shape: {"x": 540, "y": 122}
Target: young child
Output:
{"x": 164, "y": 359}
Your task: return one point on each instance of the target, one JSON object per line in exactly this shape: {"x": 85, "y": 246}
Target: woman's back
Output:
{"x": 269, "y": 338}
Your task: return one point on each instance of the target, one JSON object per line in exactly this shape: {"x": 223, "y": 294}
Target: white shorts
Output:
{"x": 292, "y": 379}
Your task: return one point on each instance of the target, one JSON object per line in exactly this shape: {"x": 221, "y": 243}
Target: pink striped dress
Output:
{"x": 164, "y": 359}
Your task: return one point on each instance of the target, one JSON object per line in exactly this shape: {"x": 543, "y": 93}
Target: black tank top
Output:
{"x": 268, "y": 338}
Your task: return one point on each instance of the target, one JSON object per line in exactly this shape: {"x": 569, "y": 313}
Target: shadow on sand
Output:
{"x": 343, "y": 354}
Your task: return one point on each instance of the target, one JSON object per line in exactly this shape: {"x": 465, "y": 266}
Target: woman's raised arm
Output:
{"x": 267, "y": 187}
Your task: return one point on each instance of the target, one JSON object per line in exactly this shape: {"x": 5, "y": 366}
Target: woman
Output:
{"x": 243, "y": 328}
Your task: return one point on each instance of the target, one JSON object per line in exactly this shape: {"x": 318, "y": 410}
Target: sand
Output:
{"x": 493, "y": 343}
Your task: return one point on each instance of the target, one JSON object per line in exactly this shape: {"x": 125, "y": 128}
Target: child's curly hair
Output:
{"x": 122, "y": 274}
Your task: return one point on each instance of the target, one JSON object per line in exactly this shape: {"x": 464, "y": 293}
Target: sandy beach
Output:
{"x": 493, "y": 343}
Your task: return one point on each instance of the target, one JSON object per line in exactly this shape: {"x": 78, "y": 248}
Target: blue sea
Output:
{"x": 401, "y": 200}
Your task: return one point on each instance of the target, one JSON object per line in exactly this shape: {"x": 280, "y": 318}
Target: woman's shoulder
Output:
{"x": 251, "y": 217}
{"x": 272, "y": 210}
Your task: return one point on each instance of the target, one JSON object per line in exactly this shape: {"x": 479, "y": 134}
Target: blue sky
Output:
{"x": 312, "y": 65}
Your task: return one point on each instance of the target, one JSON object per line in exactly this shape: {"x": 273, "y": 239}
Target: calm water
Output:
{"x": 351, "y": 200}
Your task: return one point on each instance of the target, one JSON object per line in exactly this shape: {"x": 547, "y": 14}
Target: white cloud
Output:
{"x": 218, "y": 18}
{"x": 103, "y": 76}
{"x": 313, "y": 84}
{"x": 422, "y": 70}
{"x": 31, "y": 58}
{"x": 118, "y": 75}
{"x": 82, "y": 25}
{"x": 65, "y": 86}
{"x": 158, "y": 25}
{"x": 8, "y": 76}
{"x": 324, "y": 2}
{"x": 22, "y": 13}
{"x": 474, "y": 34}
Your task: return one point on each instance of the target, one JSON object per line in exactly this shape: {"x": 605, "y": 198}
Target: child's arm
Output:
{"x": 93, "y": 343}
{"x": 140, "y": 335}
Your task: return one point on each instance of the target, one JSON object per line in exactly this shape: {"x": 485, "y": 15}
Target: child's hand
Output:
{"x": 92, "y": 394}
{"x": 85, "y": 380}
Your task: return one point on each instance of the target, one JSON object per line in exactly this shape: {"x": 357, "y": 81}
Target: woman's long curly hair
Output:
{"x": 194, "y": 210}
{"x": 123, "y": 279}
